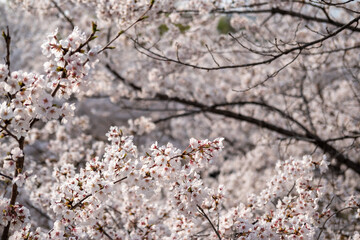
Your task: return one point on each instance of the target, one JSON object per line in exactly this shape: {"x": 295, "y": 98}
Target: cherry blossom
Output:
{"x": 179, "y": 119}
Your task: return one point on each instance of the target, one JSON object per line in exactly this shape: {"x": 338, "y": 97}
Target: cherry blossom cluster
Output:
{"x": 290, "y": 207}
{"x": 26, "y": 233}
{"x": 79, "y": 199}
{"x": 68, "y": 66}
{"x": 16, "y": 214}
{"x": 141, "y": 125}
{"x": 31, "y": 96}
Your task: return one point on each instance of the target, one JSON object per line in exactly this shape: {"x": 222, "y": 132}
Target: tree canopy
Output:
{"x": 179, "y": 119}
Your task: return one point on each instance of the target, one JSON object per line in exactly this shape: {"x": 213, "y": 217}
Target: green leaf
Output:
{"x": 59, "y": 69}
{"x": 224, "y": 26}
{"x": 182, "y": 28}
{"x": 94, "y": 27}
{"x": 143, "y": 18}
{"x": 163, "y": 29}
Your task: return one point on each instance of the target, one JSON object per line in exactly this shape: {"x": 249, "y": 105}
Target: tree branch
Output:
{"x": 148, "y": 52}
{"x": 202, "y": 212}
{"x": 308, "y": 136}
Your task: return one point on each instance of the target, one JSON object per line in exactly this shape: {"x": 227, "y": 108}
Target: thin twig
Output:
{"x": 269, "y": 76}
{"x": 212, "y": 56}
{"x": 335, "y": 213}
{"x": 202, "y": 212}
{"x": 8, "y": 132}
{"x": 89, "y": 195}
{"x": 102, "y": 230}
{"x": 148, "y": 52}
{"x": 63, "y": 14}
{"x": 141, "y": 18}
{"x": 6, "y": 176}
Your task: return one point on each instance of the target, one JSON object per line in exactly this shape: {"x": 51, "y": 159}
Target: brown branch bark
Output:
{"x": 14, "y": 192}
